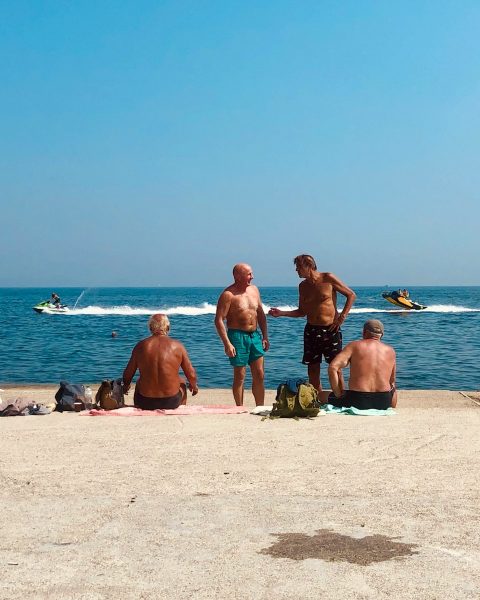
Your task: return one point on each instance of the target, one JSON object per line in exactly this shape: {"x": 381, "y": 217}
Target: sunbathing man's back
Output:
{"x": 372, "y": 366}
{"x": 158, "y": 360}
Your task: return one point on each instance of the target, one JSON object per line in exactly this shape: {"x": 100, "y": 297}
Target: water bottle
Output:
{"x": 88, "y": 398}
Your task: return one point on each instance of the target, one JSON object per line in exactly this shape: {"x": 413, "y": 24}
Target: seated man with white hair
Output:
{"x": 158, "y": 359}
{"x": 372, "y": 372}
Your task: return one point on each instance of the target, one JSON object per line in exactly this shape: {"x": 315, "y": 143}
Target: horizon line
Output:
{"x": 154, "y": 287}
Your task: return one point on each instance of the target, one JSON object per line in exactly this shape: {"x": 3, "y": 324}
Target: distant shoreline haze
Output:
{"x": 200, "y": 287}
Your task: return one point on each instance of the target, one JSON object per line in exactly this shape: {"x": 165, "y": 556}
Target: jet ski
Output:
{"x": 403, "y": 302}
{"x": 48, "y": 307}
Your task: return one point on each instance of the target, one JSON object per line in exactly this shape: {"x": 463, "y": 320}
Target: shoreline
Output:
{"x": 44, "y": 394}
{"x": 96, "y": 385}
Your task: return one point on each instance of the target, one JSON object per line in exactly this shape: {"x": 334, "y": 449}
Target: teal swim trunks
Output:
{"x": 248, "y": 345}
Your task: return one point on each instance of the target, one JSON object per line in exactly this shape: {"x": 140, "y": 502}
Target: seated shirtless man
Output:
{"x": 158, "y": 358}
{"x": 372, "y": 372}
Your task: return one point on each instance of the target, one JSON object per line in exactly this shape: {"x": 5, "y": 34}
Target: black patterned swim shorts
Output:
{"x": 318, "y": 340}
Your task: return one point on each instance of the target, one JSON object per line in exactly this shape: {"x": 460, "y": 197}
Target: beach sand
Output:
{"x": 233, "y": 506}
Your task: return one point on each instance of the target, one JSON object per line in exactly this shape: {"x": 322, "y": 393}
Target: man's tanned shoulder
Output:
{"x": 139, "y": 345}
{"x": 228, "y": 293}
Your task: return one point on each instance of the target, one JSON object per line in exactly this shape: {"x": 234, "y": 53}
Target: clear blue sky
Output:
{"x": 159, "y": 142}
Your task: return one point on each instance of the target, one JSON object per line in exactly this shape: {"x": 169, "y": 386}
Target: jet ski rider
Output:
{"x": 56, "y": 300}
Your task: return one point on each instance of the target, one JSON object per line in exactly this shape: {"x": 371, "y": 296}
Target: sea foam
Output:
{"x": 209, "y": 309}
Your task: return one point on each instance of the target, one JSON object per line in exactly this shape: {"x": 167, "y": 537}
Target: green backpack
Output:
{"x": 302, "y": 404}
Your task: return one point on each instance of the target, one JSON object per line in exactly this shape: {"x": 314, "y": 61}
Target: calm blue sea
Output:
{"x": 438, "y": 348}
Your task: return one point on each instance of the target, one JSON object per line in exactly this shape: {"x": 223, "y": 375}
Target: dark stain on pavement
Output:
{"x": 328, "y": 545}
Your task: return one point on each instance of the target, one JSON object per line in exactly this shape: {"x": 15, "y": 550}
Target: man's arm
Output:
{"x": 349, "y": 294}
{"x": 297, "y": 313}
{"x": 276, "y": 312}
{"x": 394, "y": 371}
{"x": 262, "y": 322}
{"x": 392, "y": 381}
{"x": 223, "y": 306}
{"x": 130, "y": 371}
{"x": 189, "y": 372}
{"x": 335, "y": 369}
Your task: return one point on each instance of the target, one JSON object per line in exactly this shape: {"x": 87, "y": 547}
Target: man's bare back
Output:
{"x": 158, "y": 359}
{"x": 372, "y": 370}
{"x": 372, "y": 365}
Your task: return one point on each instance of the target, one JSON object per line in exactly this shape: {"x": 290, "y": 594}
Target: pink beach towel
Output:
{"x": 131, "y": 411}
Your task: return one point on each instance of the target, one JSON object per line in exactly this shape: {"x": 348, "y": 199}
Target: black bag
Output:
{"x": 70, "y": 396}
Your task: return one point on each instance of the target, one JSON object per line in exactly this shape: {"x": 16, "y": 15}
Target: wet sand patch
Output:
{"x": 328, "y": 545}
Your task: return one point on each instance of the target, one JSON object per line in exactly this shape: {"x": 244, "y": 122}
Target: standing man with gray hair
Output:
{"x": 372, "y": 372}
{"x": 318, "y": 302}
{"x": 241, "y": 307}
{"x": 158, "y": 358}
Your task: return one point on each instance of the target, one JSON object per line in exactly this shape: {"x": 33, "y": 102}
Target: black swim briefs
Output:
{"x": 169, "y": 402}
{"x": 363, "y": 400}
{"x": 318, "y": 340}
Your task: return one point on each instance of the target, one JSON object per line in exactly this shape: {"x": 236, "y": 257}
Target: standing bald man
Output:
{"x": 241, "y": 307}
